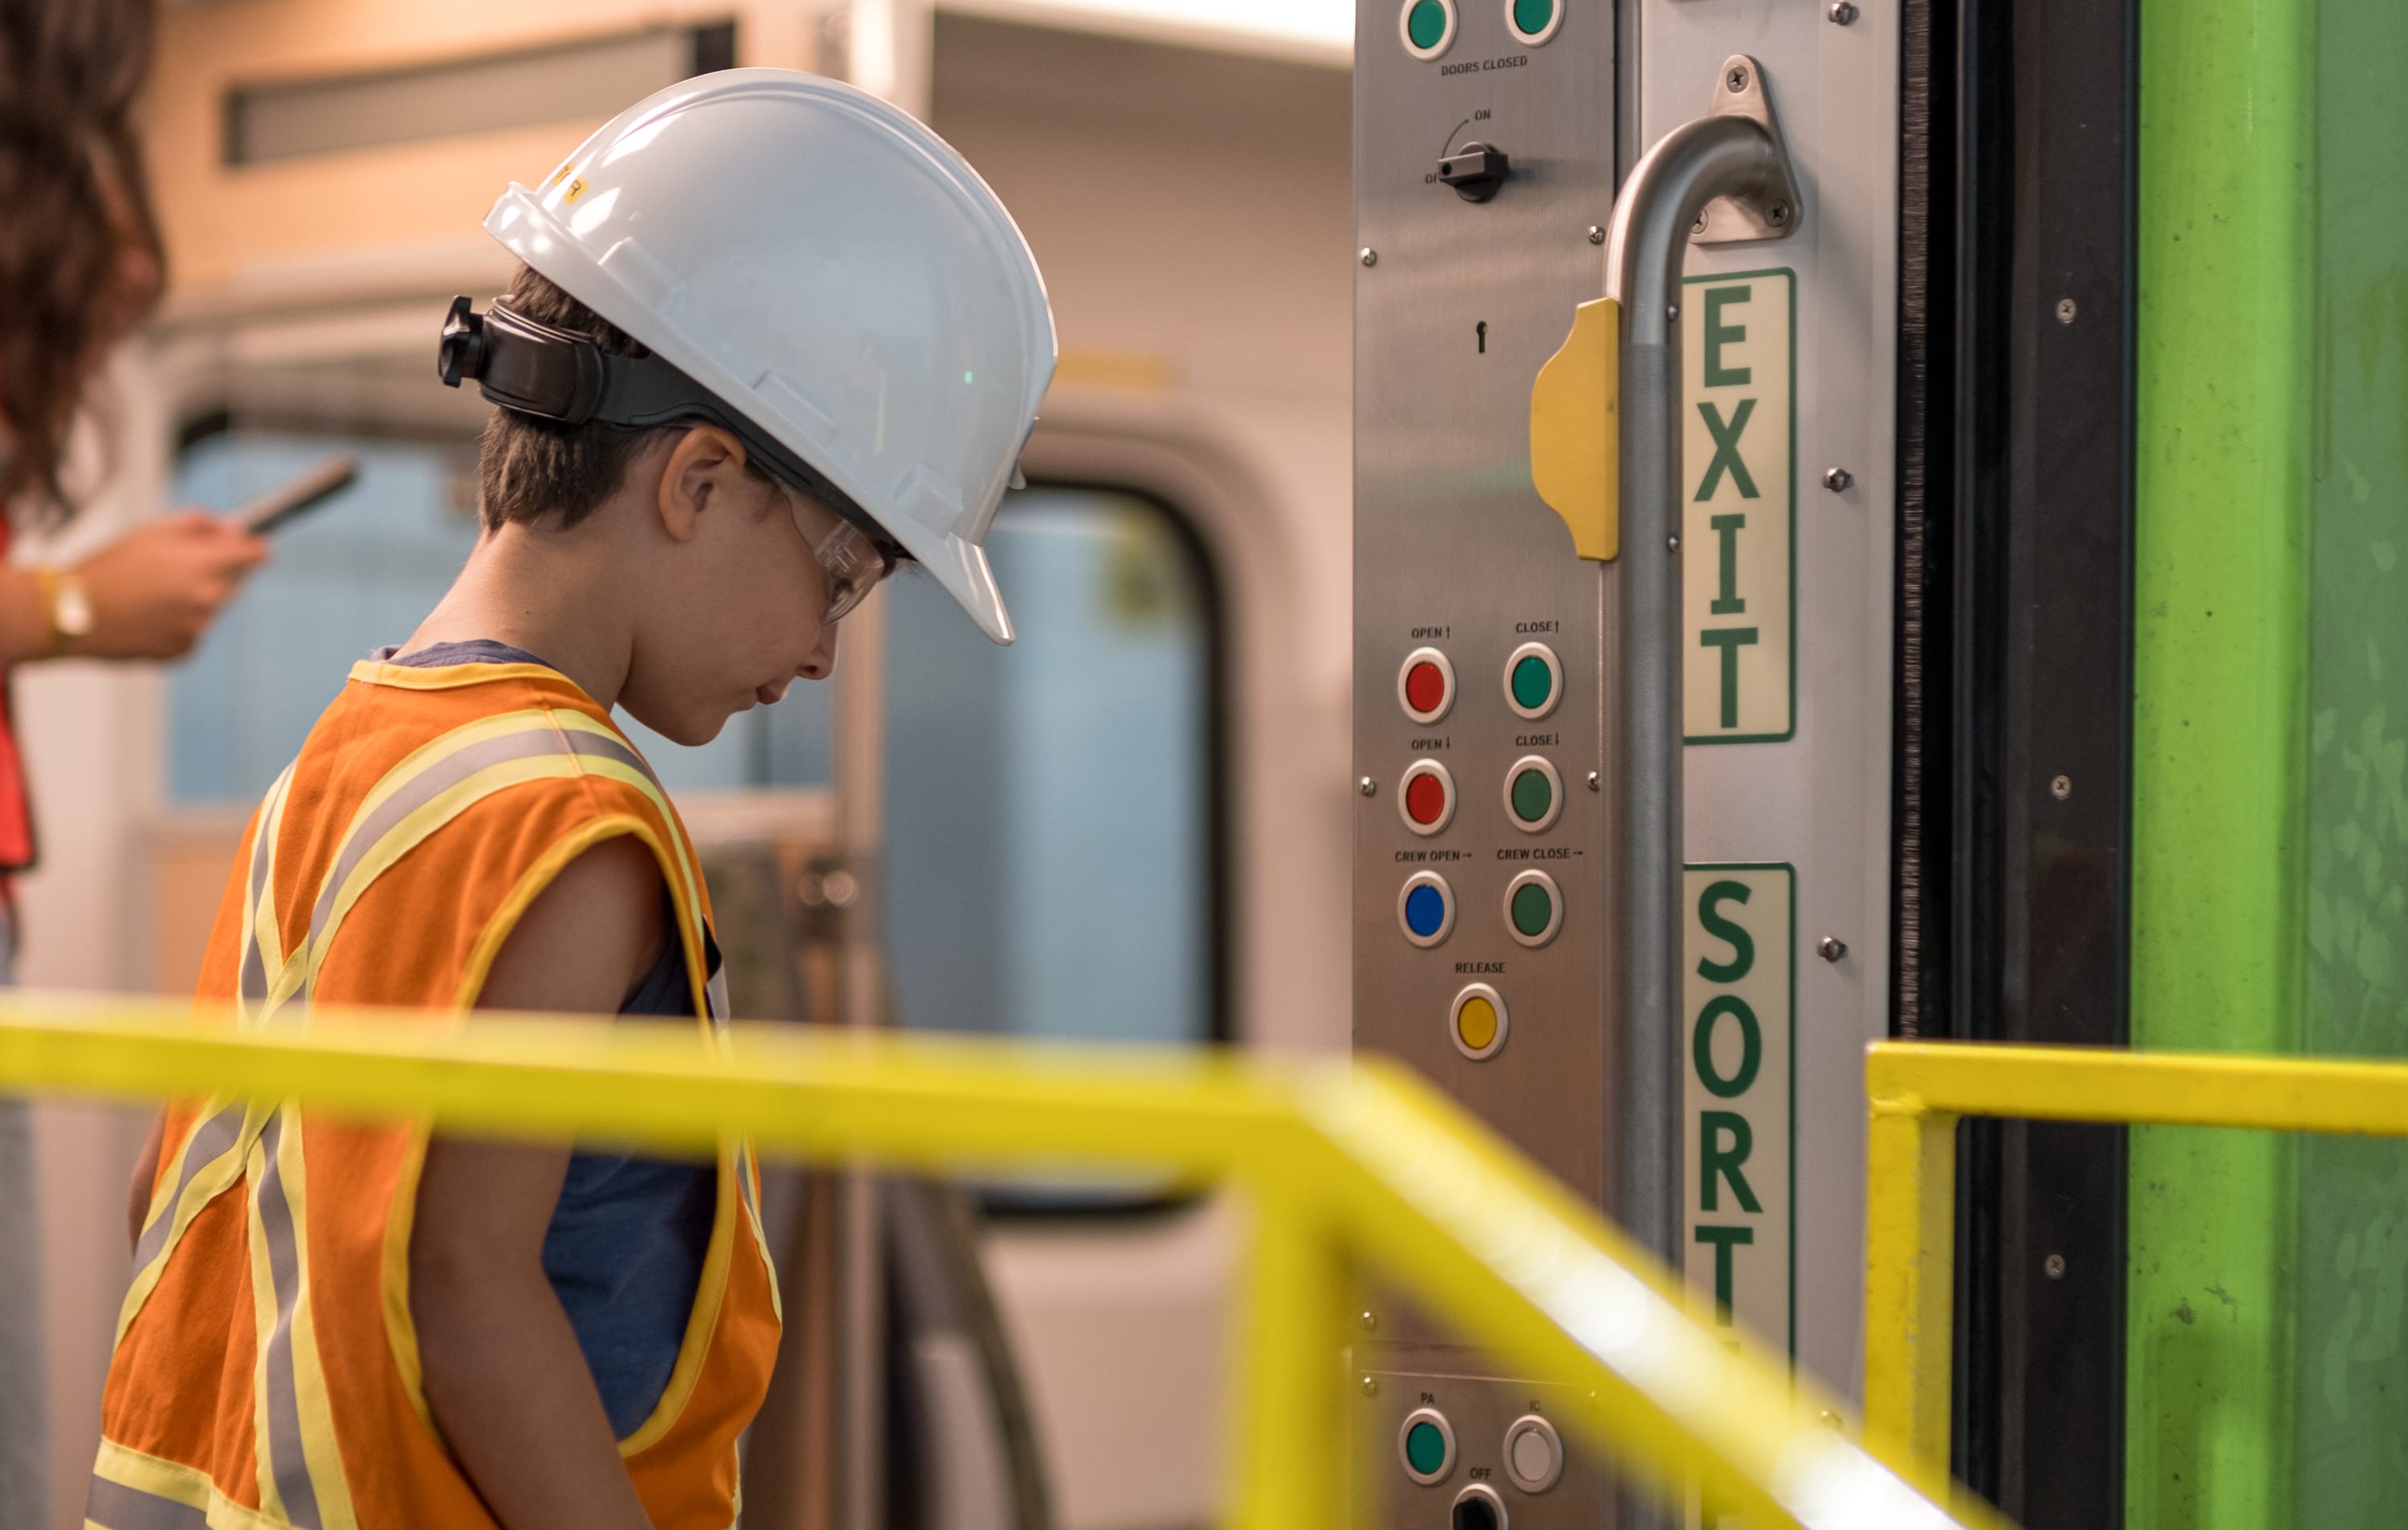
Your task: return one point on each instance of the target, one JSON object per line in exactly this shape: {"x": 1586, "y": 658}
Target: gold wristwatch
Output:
{"x": 66, "y": 606}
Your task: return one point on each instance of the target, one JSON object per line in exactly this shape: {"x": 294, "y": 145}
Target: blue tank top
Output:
{"x": 628, "y": 1238}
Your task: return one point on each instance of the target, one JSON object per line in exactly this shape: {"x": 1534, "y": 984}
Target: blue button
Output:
{"x": 1425, "y": 912}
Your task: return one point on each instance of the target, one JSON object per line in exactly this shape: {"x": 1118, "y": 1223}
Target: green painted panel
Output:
{"x": 2352, "y": 1228}
{"x": 2219, "y": 737}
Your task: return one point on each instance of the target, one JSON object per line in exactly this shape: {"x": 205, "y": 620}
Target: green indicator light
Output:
{"x": 1425, "y": 1448}
{"x": 1426, "y": 25}
{"x": 1530, "y": 17}
{"x": 1532, "y": 909}
{"x": 1532, "y": 797}
{"x": 1532, "y": 685}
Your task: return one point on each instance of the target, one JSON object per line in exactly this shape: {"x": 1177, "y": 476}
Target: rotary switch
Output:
{"x": 1475, "y": 171}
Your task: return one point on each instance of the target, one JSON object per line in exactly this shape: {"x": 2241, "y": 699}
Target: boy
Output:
{"x": 728, "y": 407}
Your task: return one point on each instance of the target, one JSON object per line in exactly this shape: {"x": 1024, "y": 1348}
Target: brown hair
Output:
{"x": 75, "y": 202}
{"x": 532, "y": 470}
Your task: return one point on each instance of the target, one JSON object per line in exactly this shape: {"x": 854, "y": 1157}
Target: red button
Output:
{"x": 1425, "y": 799}
{"x": 1425, "y": 687}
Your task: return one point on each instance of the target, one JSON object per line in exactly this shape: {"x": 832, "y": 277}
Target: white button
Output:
{"x": 1534, "y": 1453}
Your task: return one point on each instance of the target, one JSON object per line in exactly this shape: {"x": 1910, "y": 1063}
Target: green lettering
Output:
{"x": 1730, "y": 640}
{"x": 1726, "y": 529}
{"x": 1726, "y": 457}
{"x": 1751, "y": 1047}
{"x": 1719, "y": 335}
{"x": 1742, "y": 944}
{"x": 1715, "y": 1161}
{"x": 1725, "y": 1239}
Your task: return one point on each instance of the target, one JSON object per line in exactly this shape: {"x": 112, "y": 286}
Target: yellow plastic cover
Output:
{"x": 1576, "y": 430}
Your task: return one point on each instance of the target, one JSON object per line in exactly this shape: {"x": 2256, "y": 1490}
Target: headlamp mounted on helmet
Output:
{"x": 538, "y": 370}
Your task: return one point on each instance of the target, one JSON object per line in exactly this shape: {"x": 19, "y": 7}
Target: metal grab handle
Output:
{"x": 1736, "y": 153}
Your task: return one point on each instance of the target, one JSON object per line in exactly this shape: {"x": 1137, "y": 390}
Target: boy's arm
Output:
{"x": 504, "y": 1374}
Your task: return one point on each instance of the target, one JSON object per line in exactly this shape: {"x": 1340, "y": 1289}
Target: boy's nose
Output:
{"x": 820, "y": 662}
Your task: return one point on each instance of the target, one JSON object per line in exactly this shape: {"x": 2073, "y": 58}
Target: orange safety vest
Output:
{"x": 266, "y": 1369}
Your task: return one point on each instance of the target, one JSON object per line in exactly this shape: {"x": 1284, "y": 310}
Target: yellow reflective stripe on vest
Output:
{"x": 210, "y": 1165}
{"x": 300, "y": 1468}
{"x": 131, "y": 1491}
{"x": 263, "y": 941}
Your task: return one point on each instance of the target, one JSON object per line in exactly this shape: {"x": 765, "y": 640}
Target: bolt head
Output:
{"x": 1736, "y": 79}
{"x": 1595, "y": 782}
{"x": 1369, "y": 786}
{"x": 1370, "y": 1387}
{"x": 2066, "y": 309}
{"x": 1699, "y": 226}
{"x": 2054, "y": 1267}
{"x": 1595, "y": 234}
{"x": 2062, "y": 787}
{"x": 1672, "y": 544}
{"x": 1370, "y": 1323}
{"x": 1777, "y": 214}
{"x": 1832, "y": 948}
{"x": 1839, "y": 480}
{"x": 1367, "y": 255}
{"x": 1842, "y": 14}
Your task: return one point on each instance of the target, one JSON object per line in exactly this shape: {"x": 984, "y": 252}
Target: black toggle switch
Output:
{"x": 1476, "y": 172}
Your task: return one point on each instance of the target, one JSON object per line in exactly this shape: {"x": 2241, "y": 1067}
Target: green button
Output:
{"x": 1532, "y": 683}
{"x": 1530, "y": 17}
{"x": 1426, "y": 25}
{"x": 1533, "y": 909}
{"x": 1532, "y": 797}
{"x": 1425, "y": 1448}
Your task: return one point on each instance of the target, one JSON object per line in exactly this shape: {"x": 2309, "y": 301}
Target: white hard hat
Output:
{"x": 835, "y": 275}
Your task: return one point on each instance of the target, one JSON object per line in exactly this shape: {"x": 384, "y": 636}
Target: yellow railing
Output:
{"x": 1350, "y": 1169}
{"x": 1918, "y": 1092}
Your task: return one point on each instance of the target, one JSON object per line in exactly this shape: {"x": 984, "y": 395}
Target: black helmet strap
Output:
{"x": 538, "y": 370}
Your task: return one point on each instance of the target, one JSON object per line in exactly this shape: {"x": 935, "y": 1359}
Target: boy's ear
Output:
{"x": 705, "y": 469}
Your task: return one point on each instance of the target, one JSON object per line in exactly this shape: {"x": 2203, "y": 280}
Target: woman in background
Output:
{"x": 80, "y": 267}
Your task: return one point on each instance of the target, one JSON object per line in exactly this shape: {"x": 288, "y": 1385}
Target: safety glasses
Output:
{"x": 853, "y": 563}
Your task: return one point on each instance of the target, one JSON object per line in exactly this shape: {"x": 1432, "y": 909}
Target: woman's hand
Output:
{"x": 156, "y": 589}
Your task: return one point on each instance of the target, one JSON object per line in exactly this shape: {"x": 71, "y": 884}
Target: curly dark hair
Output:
{"x": 75, "y": 202}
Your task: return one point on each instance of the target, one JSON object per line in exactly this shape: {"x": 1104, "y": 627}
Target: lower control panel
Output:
{"x": 1440, "y": 1452}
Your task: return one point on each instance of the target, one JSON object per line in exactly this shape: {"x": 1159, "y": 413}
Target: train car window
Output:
{"x": 587, "y": 79}
{"x": 357, "y": 573}
{"x": 1050, "y": 806}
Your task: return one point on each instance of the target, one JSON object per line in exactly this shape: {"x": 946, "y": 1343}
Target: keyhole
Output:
{"x": 1483, "y": 337}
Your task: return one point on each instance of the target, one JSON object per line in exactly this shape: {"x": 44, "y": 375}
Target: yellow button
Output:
{"x": 1478, "y": 1019}
{"x": 1476, "y": 1023}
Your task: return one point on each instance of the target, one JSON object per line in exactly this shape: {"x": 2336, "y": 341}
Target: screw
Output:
{"x": 1842, "y": 14}
{"x": 1370, "y": 1323}
{"x": 2066, "y": 310}
{"x": 1370, "y": 1387}
{"x": 1671, "y": 310}
{"x": 1369, "y": 786}
{"x": 1839, "y": 480}
{"x": 2061, "y": 788}
{"x": 1831, "y": 1420}
{"x": 1777, "y": 214}
{"x": 1368, "y": 256}
{"x": 1736, "y": 79}
{"x": 1832, "y": 948}
{"x": 1595, "y": 234}
{"x": 1594, "y": 783}
{"x": 1671, "y": 543}
{"x": 1699, "y": 226}
{"x": 2053, "y": 1265}
{"x": 842, "y": 887}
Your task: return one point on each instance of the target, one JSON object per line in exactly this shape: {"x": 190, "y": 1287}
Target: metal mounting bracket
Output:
{"x": 1772, "y": 213}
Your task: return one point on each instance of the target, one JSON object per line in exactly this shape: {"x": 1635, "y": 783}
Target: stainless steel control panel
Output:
{"x": 1485, "y": 157}
{"x": 1485, "y": 168}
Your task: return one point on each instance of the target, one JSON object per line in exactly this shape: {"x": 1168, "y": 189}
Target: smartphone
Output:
{"x": 270, "y": 511}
